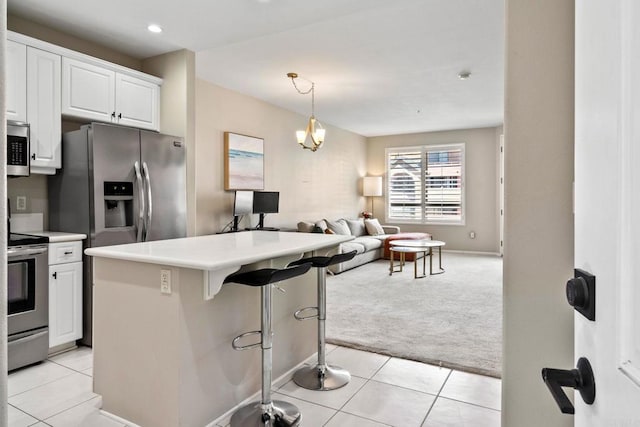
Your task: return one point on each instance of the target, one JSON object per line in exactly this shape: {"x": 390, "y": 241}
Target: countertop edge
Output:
{"x": 114, "y": 253}
{"x": 60, "y": 236}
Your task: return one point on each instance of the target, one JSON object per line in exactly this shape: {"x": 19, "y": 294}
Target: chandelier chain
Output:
{"x": 314, "y": 129}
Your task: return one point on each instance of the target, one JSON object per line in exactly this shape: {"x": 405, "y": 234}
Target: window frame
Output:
{"x": 424, "y": 149}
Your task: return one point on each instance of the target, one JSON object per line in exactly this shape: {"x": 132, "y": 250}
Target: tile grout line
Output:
{"x": 437, "y": 397}
{"x": 71, "y": 407}
{"x": 358, "y": 390}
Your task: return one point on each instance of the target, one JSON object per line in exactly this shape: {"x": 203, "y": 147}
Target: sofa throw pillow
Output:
{"x": 321, "y": 224}
{"x": 356, "y": 226}
{"x": 339, "y": 227}
{"x": 329, "y": 231}
{"x": 373, "y": 227}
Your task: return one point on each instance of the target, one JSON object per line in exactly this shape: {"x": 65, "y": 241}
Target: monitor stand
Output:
{"x": 261, "y": 226}
{"x": 236, "y": 219}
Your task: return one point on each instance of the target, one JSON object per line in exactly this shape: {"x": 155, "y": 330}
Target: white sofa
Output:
{"x": 368, "y": 247}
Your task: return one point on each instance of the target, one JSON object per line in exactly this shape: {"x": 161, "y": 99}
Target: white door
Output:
{"x": 43, "y": 110}
{"x": 607, "y": 205}
{"x": 137, "y": 102}
{"x": 16, "y": 84}
{"x": 65, "y": 303}
{"x": 88, "y": 91}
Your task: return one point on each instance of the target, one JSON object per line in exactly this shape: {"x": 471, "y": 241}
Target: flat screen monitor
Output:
{"x": 265, "y": 202}
{"x": 243, "y": 203}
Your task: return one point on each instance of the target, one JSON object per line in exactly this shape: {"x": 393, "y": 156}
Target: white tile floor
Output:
{"x": 384, "y": 391}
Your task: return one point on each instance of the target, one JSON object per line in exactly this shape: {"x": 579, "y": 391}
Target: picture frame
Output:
{"x": 243, "y": 162}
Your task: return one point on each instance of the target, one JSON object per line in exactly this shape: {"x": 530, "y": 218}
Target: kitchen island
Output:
{"x": 162, "y": 351}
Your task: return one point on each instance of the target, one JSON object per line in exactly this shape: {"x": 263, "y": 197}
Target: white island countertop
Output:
{"x": 219, "y": 255}
{"x": 218, "y": 251}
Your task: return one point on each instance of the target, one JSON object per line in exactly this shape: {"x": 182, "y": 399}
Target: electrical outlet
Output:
{"x": 472, "y": 234}
{"x": 165, "y": 281}
{"x": 21, "y": 203}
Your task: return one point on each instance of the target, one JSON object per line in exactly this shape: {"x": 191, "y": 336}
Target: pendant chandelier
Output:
{"x": 315, "y": 131}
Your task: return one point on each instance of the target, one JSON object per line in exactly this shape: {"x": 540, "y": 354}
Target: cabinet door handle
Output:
{"x": 33, "y": 156}
{"x": 68, "y": 252}
{"x": 119, "y": 116}
{"x": 113, "y": 115}
{"x": 55, "y": 275}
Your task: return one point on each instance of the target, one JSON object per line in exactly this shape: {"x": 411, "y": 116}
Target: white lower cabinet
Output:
{"x": 65, "y": 292}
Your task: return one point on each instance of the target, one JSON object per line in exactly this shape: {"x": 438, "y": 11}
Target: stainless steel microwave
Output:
{"x": 17, "y": 148}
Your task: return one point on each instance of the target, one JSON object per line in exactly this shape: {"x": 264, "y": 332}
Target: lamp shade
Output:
{"x": 372, "y": 186}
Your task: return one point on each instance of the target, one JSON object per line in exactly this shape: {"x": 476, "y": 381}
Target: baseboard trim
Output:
{"x": 455, "y": 251}
{"x": 256, "y": 396}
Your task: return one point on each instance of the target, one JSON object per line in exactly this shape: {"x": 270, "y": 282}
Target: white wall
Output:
{"x": 312, "y": 186}
{"x": 3, "y": 227}
{"x": 538, "y": 253}
{"x": 481, "y": 192}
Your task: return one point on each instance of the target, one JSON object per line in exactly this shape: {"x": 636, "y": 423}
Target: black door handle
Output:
{"x": 580, "y": 379}
{"x": 55, "y": 275}
{"x": 33, "y": 156}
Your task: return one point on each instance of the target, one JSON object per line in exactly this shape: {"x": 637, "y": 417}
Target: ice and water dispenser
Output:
{"x": 118, "y": 204}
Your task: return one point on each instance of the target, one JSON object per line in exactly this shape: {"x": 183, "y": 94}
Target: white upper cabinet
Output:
{"x": 137, "y": 102}
{"x": 16, "y": 81}
{"x": 96, "y": 93}
{"x": 43, "y": 110}
{"x": 88, "y": 91}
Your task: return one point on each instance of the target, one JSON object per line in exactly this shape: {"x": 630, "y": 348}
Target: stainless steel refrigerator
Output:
{"x": 118, "y": 185}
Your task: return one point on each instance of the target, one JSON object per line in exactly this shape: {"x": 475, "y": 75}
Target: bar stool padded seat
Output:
{"x": 325, "y": 261}
{"x": 264, "y": 276}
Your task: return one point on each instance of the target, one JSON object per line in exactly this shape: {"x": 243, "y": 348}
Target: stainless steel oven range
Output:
{"x": 28, "y": 300}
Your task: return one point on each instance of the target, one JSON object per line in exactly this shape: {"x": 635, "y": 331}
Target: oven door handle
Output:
{"x": 25, "y": 252}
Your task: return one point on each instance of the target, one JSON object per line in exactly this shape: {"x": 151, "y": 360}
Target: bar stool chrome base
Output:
{"x": 276, "y": 414}
{"x": 316, "y": 378}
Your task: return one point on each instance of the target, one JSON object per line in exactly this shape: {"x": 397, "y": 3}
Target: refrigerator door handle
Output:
{"x": 136, "y": 166}
{"x": 147, "y": 178}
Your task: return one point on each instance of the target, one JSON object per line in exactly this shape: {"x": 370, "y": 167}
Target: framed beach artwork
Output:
{"x": 243, "y": 162}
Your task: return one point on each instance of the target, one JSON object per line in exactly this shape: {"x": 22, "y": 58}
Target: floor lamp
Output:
{"x": 372, "y": 187}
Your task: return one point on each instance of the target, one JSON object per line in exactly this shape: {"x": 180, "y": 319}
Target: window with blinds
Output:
{"x": 426, "y": 184}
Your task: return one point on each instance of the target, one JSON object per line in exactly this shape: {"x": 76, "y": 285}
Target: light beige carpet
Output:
{"x": 452, "y": 319}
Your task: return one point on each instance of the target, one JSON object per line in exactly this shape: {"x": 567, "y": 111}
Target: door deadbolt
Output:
{"x": 581, "y": 293}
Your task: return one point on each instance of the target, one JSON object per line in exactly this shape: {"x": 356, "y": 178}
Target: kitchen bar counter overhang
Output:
{"x": 221, "y": 254}
{"x": 166, "y": 359}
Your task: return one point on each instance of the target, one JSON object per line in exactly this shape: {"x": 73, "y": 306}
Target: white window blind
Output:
{"x": 426, "y": 184}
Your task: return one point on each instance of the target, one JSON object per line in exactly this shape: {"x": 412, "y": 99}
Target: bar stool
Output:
{"x": 321, "y": 376}
{"x": 267, "y": 412}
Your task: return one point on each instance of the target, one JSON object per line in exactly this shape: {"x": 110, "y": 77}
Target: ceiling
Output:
{"x": 380, "y": 67}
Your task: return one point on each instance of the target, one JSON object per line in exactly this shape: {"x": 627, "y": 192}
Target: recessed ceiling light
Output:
{"x": 464, "y": 75}
{"x": 154, "y": 28}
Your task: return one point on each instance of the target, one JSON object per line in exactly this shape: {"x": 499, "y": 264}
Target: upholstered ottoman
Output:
{"x": 404, "y": 236}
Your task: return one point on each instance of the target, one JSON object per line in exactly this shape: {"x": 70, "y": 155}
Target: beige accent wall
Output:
{"x": 312, "y": 186}
{"x": 177, "y": 116}
{"x": 481, "y": 193}
{"x": 538, "y": 260}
